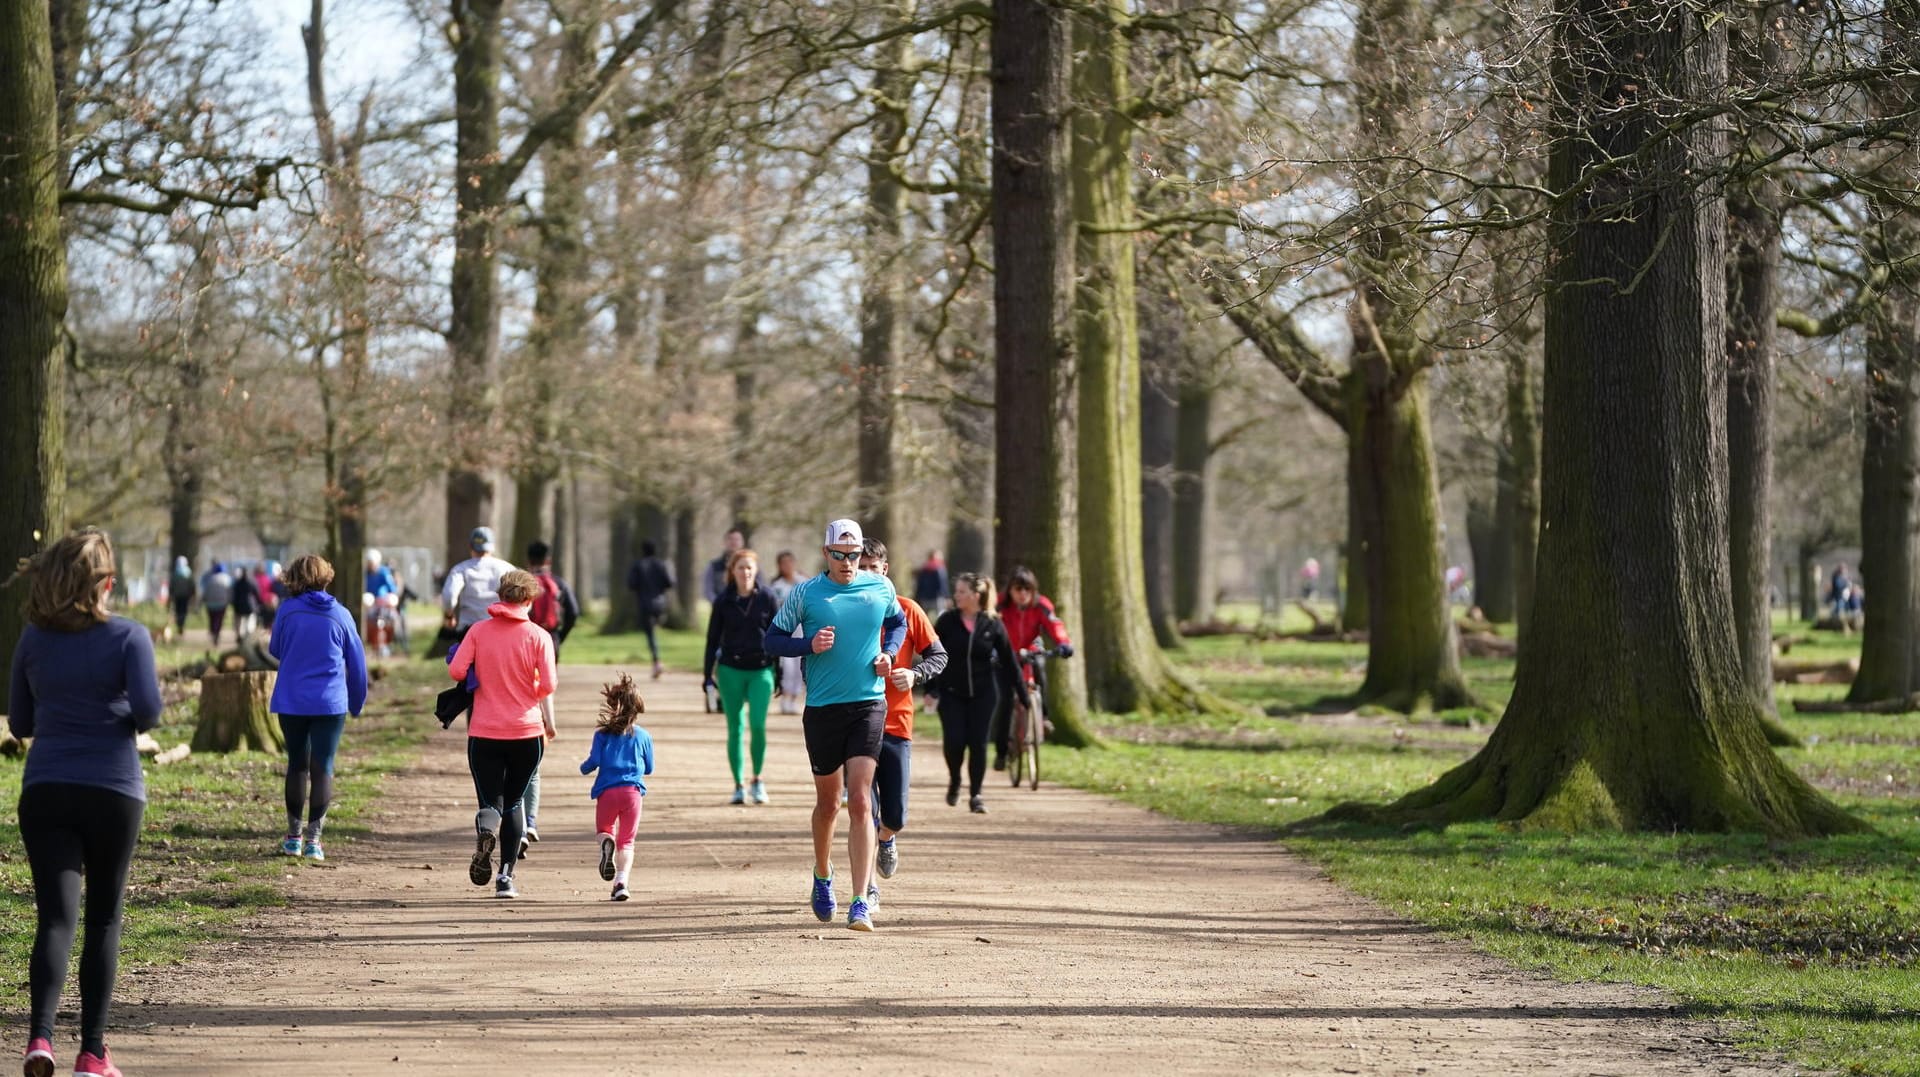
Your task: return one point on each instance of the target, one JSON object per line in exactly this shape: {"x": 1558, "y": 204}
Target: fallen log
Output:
{"x": 1488, "y": 645}
{"x": 1901, "y": 705}
{"x": 173, "y": 755}
{"x": 1789, "y": 671}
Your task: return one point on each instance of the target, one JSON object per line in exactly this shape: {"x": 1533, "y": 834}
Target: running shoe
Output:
{"x": 999, "y": 760}
{"x": 39, "y": 1060}
{"x": 757, "y": 792}
{"x": 739, "y": 795}
{"x": 312, "y": 851}
{"x": 953, "y": 794}
{"x": 606, "y": 858}
{"x": 887, "y": 859}
{"x": 92, "y": 1065}
{"x": 620, "y": 892}
{"x": 873, "y": 898}
{"x": 823, "y": 903}
{"x": 290, "y": 845}
{"x": 533, "y": 833}
{"x": 503, "y": 887}
{"x": 485, "y": 839}
{"x": 859, "y": 915}
{"x": 977, "y": 805}
{"x": 522, "y": 854}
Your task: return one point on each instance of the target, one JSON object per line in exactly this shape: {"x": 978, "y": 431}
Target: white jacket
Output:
{"x": 472, "y": 586}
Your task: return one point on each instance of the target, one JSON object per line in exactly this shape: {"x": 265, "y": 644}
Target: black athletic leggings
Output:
{"x": 70, "y": 830}
{"x": 964, "y": 724}
{"x": 501, "y": 770}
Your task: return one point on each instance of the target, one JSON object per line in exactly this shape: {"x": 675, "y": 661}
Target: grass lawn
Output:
{"x": 1811, "y": 948}
{"x": 208, "y": 850}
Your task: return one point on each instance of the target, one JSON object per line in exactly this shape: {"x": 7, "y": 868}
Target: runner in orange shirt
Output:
{"x": 920, "y": 659}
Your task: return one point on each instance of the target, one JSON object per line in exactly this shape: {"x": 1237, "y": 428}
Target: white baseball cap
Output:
{"x": 843, "y": 532}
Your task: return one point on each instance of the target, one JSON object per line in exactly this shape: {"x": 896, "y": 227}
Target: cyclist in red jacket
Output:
{"x": 1030, "y": 622}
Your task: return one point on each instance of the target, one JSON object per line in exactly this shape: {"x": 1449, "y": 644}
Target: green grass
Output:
{"x": 207, "y": 854}
{"x": 679, "y": 648}
{"x": 1811, "y": 948}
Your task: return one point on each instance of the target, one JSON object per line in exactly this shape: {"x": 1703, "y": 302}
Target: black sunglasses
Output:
{"x": 842, "y": 555}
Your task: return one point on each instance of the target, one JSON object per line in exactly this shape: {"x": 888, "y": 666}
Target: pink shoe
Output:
{"x": 92, "y": 1065}
{"x": 39, "y": 1060}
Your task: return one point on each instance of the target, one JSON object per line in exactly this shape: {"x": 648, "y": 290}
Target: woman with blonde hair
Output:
{"x": 322, "y": 680}
{"x": 737, "y": 663}
{"x": 83, "y": 687}
{"x": 511, "y": 724}
{"x": 980, "y": 667}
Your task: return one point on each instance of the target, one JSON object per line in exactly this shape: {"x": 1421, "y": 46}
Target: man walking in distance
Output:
{"x": 921, "y": 658}
{"x": 851, "y": 628}
{"x": 473, "y": 584}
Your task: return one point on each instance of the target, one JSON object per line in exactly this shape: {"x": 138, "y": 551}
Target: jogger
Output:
{"x": 920, "y": 659}
{"x": 622, "y": 753}
{"x": 738, "y": 666}
{"x": 982, "y": 673}
{"x": 322, "y": 679}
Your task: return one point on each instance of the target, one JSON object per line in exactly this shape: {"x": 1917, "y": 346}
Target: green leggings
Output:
{"x": 744, "y": 695}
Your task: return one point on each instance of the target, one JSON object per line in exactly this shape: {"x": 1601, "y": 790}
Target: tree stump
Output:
{"x": 234, "y": 714}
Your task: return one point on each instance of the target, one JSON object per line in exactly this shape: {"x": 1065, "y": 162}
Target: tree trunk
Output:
{"x": 1192, "y": 502}
{"x": 33, "y": 303}
{"x": 883, "y": 294}
{"x": 1162, "y": 349}
{"x": 1126, "y": 671}
{"x": 1890, "y": 470}
{"x": 1412, "y": 653}
{"x": 1809, "y": 583}
{"x": 1523, "y": 460}
{"x": 1630, "y": 710}
{"x": 688, "y": 568}
{"x": 1033, "y": 324}
{"x": 623, "y": 548}
{"x": 1356, "y": 607}
{"x": 1488, "y": 537}
{"x": 473, "y": 339}
{"x": 235, "y": 716}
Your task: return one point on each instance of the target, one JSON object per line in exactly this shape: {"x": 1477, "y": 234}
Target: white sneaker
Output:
{"x": 757, "y": 792}
{"x": 739, "y": 795}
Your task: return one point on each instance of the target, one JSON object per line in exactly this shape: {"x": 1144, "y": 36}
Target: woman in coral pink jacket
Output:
{"x": 512, "y": 659}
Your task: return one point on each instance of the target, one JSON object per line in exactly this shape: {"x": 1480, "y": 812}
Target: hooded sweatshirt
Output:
{"x": 322, "y": 668}
{"x": 514, "y": 658}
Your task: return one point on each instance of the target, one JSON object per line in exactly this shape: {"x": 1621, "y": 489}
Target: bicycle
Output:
{"x": 1026, "y": 734}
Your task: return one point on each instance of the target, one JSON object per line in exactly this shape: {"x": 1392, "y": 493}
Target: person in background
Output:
{"x": 1840, "y": 591}
{"x": 322, "y": 679}
{"x": 921, "y": 658}
{"x": 1031, "y": 623}
{"x": 83, "y": 687}
{"x": 180, "y": 592}
{"x": 789, "y": 684}
{"x": 715, "y": 580}
{"x": 736, "y": 663}
{"x": 650, "y": 579}
{"x": 930, "y": 583}
{"x": 1310, "y": 578}
{"x": 981, "y": 670}
{"x": 382, "y": 599}
{"x": 622, "y": 753}
{"x": 216, "y": 594}
{"x": 266, "y": 581}
{"x": 473, "y": 585}
{"x": 246, "y": 604}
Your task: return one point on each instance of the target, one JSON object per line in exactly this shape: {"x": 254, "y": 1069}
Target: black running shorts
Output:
{"x": 838, "y": 732}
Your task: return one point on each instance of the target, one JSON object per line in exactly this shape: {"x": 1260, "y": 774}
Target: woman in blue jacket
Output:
{"x": 83, "y": 686}
{"x": 323, "y": 678}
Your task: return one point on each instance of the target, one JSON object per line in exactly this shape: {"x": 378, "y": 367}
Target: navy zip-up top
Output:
{"x": 82, "y": 697}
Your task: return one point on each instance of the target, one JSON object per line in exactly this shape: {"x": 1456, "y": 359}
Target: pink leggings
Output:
{"x": 616, "y": 811}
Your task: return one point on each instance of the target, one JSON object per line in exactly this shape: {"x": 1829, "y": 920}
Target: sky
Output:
{"x": 367, "y": 40}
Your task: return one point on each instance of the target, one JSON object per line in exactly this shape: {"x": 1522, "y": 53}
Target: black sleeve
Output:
{"x": 713, "y": 640}
{"x": 569, "y": 609}
{"x": 1011, "y": 682}
{"x": 932, "y": 660}
{"x": 634, "y": 577}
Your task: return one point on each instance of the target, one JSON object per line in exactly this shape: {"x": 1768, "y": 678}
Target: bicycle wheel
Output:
{"x": 1017, "y": 765}
{"x": 1036, "y": 727}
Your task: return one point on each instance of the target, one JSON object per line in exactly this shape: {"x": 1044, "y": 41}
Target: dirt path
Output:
{"x": 1063, "y": 932}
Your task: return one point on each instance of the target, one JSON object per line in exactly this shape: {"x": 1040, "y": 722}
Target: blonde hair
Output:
{"x": 620, "y": 707}
{"x": 64, "y": 594}
{"x": 982, "y": 586}
{"x": 518, "y": 586}
{"x": 308, "y": 573}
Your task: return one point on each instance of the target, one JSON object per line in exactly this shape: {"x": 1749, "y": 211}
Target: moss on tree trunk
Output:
{"x": 1630, "y": 710}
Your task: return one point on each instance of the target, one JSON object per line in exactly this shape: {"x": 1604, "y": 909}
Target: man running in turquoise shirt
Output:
{"x": 851, "y": 628}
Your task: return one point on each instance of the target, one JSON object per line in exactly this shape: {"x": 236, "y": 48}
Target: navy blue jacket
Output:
{"x": 82, "y": 696}
{"x": 323, "y": 671}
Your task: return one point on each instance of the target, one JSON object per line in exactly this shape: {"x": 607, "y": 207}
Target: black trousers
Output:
{"x": 72, "y": 831}
{"x": 964, "y": 725}
{"x": 501, "y": 770}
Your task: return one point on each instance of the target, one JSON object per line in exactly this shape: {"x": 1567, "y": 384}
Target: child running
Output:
{"x": 623, "y": 754}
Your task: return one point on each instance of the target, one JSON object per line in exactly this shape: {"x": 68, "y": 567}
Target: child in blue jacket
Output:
{"x": 623, "y": 754}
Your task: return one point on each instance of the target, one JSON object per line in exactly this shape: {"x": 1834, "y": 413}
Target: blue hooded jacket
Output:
{"x": 323, "y": 671}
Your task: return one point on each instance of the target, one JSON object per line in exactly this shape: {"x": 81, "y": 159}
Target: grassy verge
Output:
{"x": 207, "y": 855}
{"x": 1811, "y": 948}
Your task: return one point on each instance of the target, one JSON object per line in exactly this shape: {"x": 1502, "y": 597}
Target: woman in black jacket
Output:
{"x": 981, "y": 666}
{"x": 738, "y": 665}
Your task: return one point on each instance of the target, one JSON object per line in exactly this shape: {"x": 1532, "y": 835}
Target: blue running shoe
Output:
{"x": 859, "y": 915}
{"x": 290, "y": 845}
{"x": 312, "y": 850}
{"x": 823, "y": 903}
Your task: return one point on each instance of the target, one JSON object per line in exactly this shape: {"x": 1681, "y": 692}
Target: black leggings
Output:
{"x": 501, "y": 770}
{"x": 70, "y": 830}
{"x": 964, "y": 724}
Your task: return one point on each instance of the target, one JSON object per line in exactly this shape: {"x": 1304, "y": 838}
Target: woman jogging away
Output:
{"x": 83, "y": 686}
{"x": 737, "y": 663}
{"x": 322, "y": 680}
{"x": 511, "y": 724}
{"x": 981, "y": 667}
{"x": 622, "y": 753}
